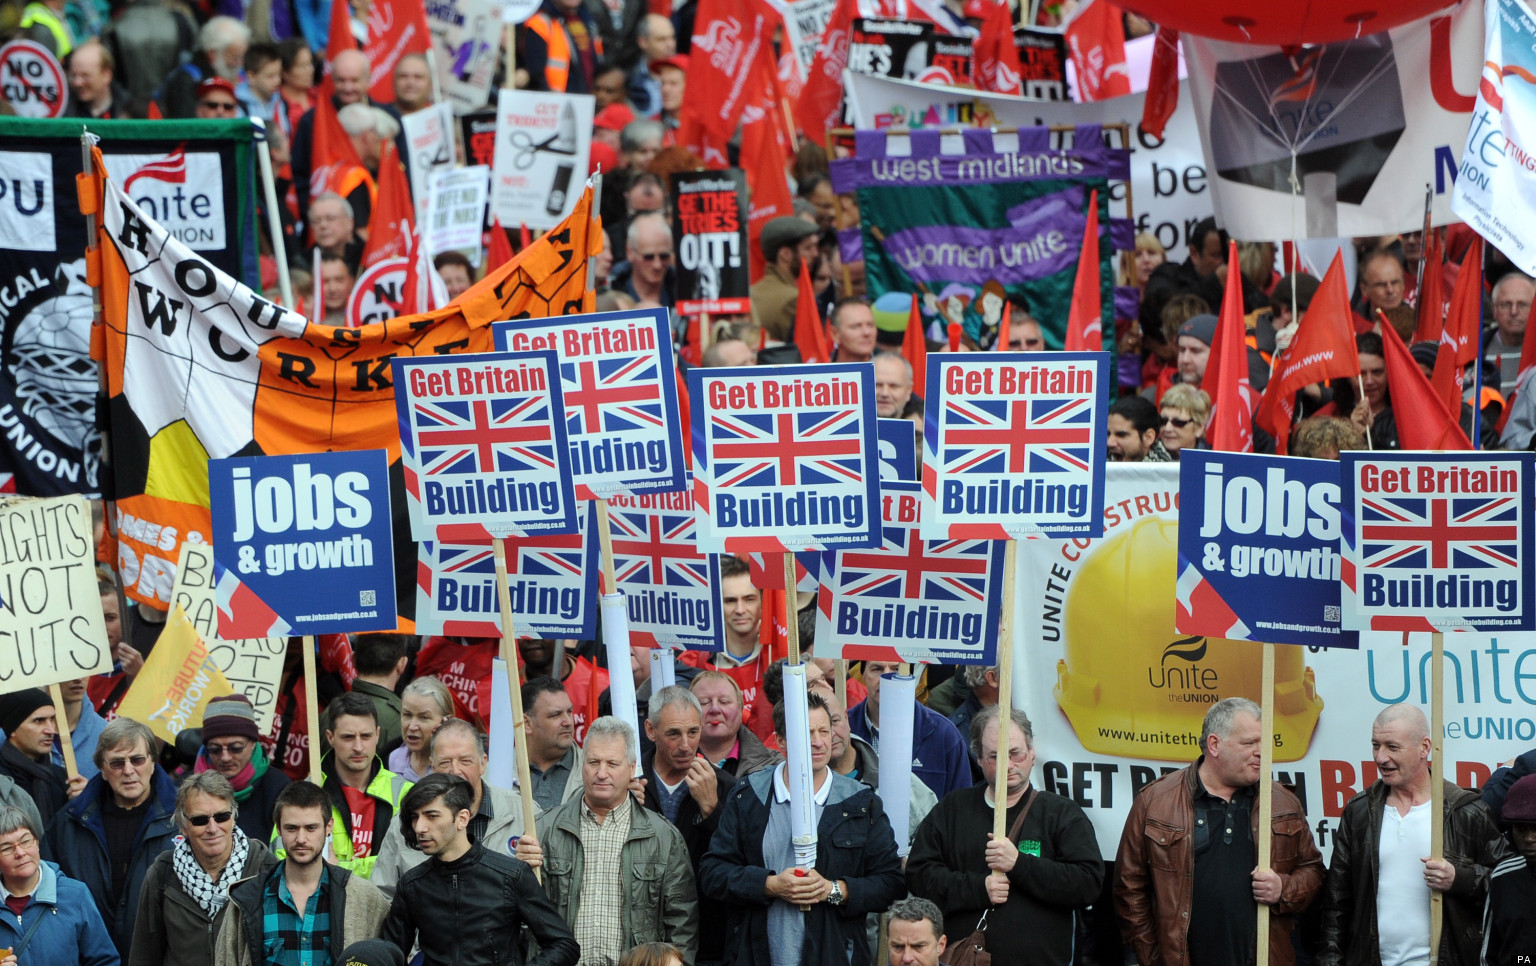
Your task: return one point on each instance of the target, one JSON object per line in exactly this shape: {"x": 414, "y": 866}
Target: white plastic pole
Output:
{"x": 663, "y": 671}
{"x": 274, "y": 219}
{"x": 802, "y": 791}
{"x": 621, "y": 679}
{"x": 502, "y": 769}
{"x": 898, "y": 702}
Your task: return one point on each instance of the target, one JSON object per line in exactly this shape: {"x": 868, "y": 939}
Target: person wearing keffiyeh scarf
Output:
{"x": 232, "y": 747}
{"x": 186, "y": 891}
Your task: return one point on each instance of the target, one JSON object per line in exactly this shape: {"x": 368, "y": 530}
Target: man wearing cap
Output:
{"x": 30, "y": 724}
{"x": 1380, "y": 880}
{"x": 216, "y": 100}
{"x": 232, "y": 747}
{"x": 1509, "y": 929}
{"x": 609, "y": 122}
{"x": 672, "y": 77}
{"x": 1187, "y": 886}
{"x": 373, "y": 952}
{"x": 787, "y": 243}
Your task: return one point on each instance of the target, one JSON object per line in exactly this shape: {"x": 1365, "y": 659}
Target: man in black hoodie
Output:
{"x": 30, "y": 724}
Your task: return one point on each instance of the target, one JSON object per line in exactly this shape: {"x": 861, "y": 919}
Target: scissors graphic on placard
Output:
{"x": 562, "y": 142}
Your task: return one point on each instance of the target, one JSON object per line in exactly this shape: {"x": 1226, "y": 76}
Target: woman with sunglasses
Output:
{"x": 1185, "y": 411}
{"x": 110, "y": 834}
{"x": 187, "y": 889}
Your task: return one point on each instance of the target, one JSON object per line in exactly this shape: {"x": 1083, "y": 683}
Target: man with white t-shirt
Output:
{"x": 1377, "y": 897}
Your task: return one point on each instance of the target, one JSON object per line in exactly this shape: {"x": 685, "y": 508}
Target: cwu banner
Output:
{"x": 196, "y": 178}
{"x": 671, "y": 587}
{"x": 910, "y": 599}
{"x": 1259, "y": 549}
{"x": 970, "y": 231}
{"x": 552, "y": 584}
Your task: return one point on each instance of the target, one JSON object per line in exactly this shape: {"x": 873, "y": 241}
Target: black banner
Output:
{"x": 711, "y": 241}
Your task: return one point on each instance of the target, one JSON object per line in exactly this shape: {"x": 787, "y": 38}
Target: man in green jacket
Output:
{"x": 615, "y": 871}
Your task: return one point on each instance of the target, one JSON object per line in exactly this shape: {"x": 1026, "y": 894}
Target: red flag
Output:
{"x": 1431, "y": 294}
{"x": 1322, "y": 349}
{"x": 1458, "y": 340}
{"x": 1096, "y": 42}
{"x": 393, "y": 220}
{"x": 1162, "y": 83}
{"x": 1226, "y": 374}
{"x": 395, "y": 28}
{"x": 824, "y": 85}
{"x": 500, "y": 250}
{"x": 1085, "y": 318}
{"x": 771, "y": 633}
{"x": 333, "y": 153}
{"x": 153, "y": 113}
{"x": 996, "y": 56}
{"x": 914, "y": 348}
{"x": 1527, "y": 355}
{"x": 809, "y": 337}
{"x": 1422, "y": 419}
{"x": 338, "y": 39}
{"x": 684, "y": 410}
{"x": 730, "y": 38}
{"x": 1005, "y": 330}
{"x": 524, "y": 237}
{"x": 764, "y": 156}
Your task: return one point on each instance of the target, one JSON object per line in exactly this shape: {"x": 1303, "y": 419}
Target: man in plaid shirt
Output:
{"x": 301, "y": 911}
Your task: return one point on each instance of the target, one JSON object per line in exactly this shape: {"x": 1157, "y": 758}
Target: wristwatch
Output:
{"x": 836, "y": 897}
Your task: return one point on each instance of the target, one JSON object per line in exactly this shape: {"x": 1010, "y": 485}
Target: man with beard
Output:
{"x": 301, "y": 906}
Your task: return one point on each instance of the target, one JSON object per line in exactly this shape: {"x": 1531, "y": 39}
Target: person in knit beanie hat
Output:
{"x": 30, "y": 724}
{"x": 1509, "y": 928}
{"x": 232, "y": 747}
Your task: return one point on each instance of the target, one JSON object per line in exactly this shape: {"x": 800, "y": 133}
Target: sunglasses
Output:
{"x": 217, "y": 105}
{"x": 217, "y": 817}
{"x": 1177, "y": 423}
{"x": 219, "y": 751}
{"x": 118, "y": 764}
{"x": 654, "y": 256}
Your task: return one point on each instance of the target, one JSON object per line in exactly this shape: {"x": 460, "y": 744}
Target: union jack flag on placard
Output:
{"x": 241, "y": 613}
{"x": 671, "y": 587}
{"x": 1439, "y": 532}
{"x": 506, "y": 435}
{"x": 1050, "y": 434}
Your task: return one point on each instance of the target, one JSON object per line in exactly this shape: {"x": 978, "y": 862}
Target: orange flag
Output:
{"x": 1322, "y": 349}
{"x": 1422, "y": 419}
{"x": 393, "y": 220}
{"x": 809, "y": 337}
{"x": 914, "y": 348}
{"x": 1226, "y": 375}
{"x": 1458, "y": 341}
{"x": 1085, "y": 322}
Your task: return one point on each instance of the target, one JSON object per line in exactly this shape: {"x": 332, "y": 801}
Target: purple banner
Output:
{"x": 981, "y": 163}
{"x": 850, "y": 245}
{"x": 976, "y": 256}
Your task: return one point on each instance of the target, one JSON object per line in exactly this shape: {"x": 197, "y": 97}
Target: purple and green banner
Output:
{"x": 970, "y": 230}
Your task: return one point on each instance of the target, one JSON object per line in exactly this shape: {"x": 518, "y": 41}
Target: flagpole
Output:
{"x": 317, "y": 311}
{"x": 311, "y": 710}
{"x": 66, "y": 741}
{"x": 1004, "y": 694}
{"x": 1266, "y": 789}
{"x": 514, "y": 688}
{"x": 274, "y": 220}
{"x": 1436, "y": 786}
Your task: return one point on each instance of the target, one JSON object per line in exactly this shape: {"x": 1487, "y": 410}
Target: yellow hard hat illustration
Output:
{"x": 1131, "y": 685}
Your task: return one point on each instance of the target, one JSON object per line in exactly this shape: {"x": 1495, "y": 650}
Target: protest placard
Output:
{"x": 456, "y": 210}
{"x": 785, "y": 457}
{"x": 1259, "y": 549}
{"x": 910, "y": 599}
{"x": 1013, "y": 445}
{"x": 671, "y": 588}
{"x": 306, "y": 538}
{"x": 31, "y": 80}
{"x": 543, "y": 142}
{"x": 551, "y": 583}
{"x": 804, "y": 23}
{"x": 484, "y": 447}
{"x": 898, "y": 449}
{"x": 51, "y": 624}
{"x": 711, "y": 241}
{"x": 252, "y": 665}
{"x": 478, "y": 131}
{"x": 378, "y": 295}
{"x": 620, "y": 397}
{"x": 890, "y": 48}
{"x": 464, "y": 34}
{"x": 177, "y": 681}
{"x": 1043, "y": 57}
{"x": 428, "y": 148}
{"x": 1438, "y": 542}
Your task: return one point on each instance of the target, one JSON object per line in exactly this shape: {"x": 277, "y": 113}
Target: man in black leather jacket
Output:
{"x": 466, "y": 906}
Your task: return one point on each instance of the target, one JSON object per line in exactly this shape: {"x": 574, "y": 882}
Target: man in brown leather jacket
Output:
{"x": 1376, "y": 906}
{"x": 1186, "y": 878}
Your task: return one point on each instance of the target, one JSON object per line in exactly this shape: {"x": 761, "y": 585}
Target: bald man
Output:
{"x": 1377, "y": 897}
{"x": 350, "y": 72}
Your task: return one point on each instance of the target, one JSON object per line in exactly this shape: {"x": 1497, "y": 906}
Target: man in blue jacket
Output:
{"x": 779, "y": 915}
{"x": 109, "y": 836}
{"x": 939, "y": 755}
{"x": 51, "y": 920}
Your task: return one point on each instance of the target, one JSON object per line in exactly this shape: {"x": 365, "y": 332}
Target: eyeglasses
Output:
{"x": 118, "y": 764}
{"x": 218, "y": 818}
{"x": 654, "y": 256}
{"x": 24, "y": 844}
{"x": 218, "y": 106}
{"x": 234, "y": 749}
{"x": 1512, "y": 308}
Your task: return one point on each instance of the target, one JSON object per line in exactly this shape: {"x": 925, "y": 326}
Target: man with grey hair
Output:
{"x": 1381, "y": 879}
{"x": 186, "y": 892}
{"x": 111, "y": 834}
{"x": 333, "y": 226}
{"x": 1030, "y": 883}
{"x": 368, "y": 127}
{"x": 893, "y": 385}
{"x": 496, "y": 814}
{"x": 727, "y": 353}
{"x": 1512, "y": 297}
{"x": 639, "y": 142}
{"x": 351, "y": 78}
{"x": 646, "y": 272}
{"x": 1187, "y": 883}
{"x": 220, "y": 52}
{"x": 916, "y": 933}
{"x": 616, "y": 872}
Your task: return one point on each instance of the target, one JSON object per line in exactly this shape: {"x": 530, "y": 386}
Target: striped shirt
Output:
{"x": 599, "y": 924}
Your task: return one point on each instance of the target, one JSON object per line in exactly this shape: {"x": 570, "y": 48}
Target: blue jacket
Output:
{"x": 87, "y": 730}
{"x": 940, "y": 758}
{"x": 854, "y": 843}
{"x": 70, "y": 932}
{"x": 77, "y": 841}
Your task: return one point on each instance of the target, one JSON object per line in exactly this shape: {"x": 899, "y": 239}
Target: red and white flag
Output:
{"x": 1096, "y": 43}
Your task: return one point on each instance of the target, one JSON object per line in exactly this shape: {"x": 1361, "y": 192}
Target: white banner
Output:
{"x": 466, "y": 43}
{"x": 456, "y": 210}
{"x": 1369, "y": 122}
{"x": 1117, "y": 695}
{"x": 1169, "y": 194}
{"x": 429, "y": 148}
{"x": 542, "y": 145}
{"x": 1494, "y": 192}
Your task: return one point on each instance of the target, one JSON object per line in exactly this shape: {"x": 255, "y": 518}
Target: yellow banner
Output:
{"x": 177, "y": 679}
